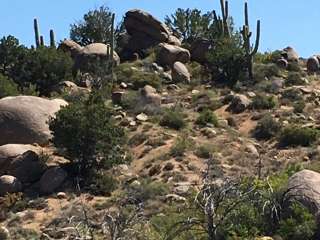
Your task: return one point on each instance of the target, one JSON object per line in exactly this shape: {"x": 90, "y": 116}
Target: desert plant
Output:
{"x": 261, "y": 101}
{"x": 173, "y": 118}
{"x": 180, "y": 146}
{"x": 267, "y": 128}
{"x": 95, "y": 27}
{"x": 89, "y": 136}
{"x": 294, "y": 135}
{"x": 189, "y": 24}
{"x": 7, "y": 87}
{"x": 299, "y": 106}
{"x": 207, "y": 116}
{"x": 294, "y": 78}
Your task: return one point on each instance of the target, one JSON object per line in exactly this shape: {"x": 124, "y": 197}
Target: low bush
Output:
{"x": 294, "y": 135}
{"x": 299, "y": 106}
{"x": 181, "y": 145}
{"x": 173, "y": 118}
{"x": 262, "y": 101}
{"x": 267, "y": 128}
{"x": 294, "y": 78}
{"x": 7, "y": 87}
{"x": 263, "y": 71}
{"x": 205, "y": 117}
{"x": 204, "y": 151}
{"x": 87, "y": 133}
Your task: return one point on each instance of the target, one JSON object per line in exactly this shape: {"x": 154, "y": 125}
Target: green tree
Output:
{"x": 95, "y": 27}
{"x": 43, "y": 67}
{"x": 89, "y": 135}
{"x": 190, "y": 24}
{"x": 10, "y": 53}
{"x": 7, "y": 87}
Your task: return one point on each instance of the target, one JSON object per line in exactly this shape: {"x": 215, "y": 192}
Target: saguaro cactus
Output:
{"x": 222, "y": 23}
{"x": 36, "y": 32}
{"x": 41, "y": 41}
{"x": 246, "y": 34}
{"x": 52, "y": 40}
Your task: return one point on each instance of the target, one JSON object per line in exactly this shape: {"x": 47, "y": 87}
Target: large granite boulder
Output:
{"x": 71, "y": 47}
{"x": 313, "y": 64}
{"x": 97, "y": 50}
{"x": 143, "y": 32}
{"x": 138, "y": 21}
{"x": 11, "y": 151}
{"x": 27, "y": 167}
{"x": 180, "y": 73}
{"x": 52, "y": 179}
{"x": 239, "y": 103}
{"x": 169, "y": 54}
{"x": 24, "y": 119}
{"x": 9, "y": 184}
{"x": 290, "y": 54}
{"x": 304, "y": 186}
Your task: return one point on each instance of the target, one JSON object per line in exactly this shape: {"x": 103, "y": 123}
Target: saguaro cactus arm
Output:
{"x": 36, "y": 32}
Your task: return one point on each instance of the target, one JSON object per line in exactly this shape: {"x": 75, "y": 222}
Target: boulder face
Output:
{"x": 52, "y": 179}
{"x": 9, "y": 184}
{"x": 138, "y": 21}
{"x": 169, "y": 54}
{"x": 305, "y": 187}
{"x": 290, "y": 54}
{"x": 313, "y": 64}
{"x": 98, "y": 50}
{"x": 180, "y": 73}
{"x": 239, "y": 103}
{"x": 70, "y": 46}
{"x": 27, "y": 167}
{"x": 24, "y": 119}
{"x": 11, "y": 151}
{"x": 143, "y": 32}
{"x": 149, "y": 100}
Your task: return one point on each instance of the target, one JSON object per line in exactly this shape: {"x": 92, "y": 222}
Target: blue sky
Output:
{"x": 284, "y": 22}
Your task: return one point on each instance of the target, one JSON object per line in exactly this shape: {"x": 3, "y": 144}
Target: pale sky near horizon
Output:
{"x": 284, "y": 22}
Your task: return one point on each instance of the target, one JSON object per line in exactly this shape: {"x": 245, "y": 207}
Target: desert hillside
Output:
{"x": 148, "y": 130}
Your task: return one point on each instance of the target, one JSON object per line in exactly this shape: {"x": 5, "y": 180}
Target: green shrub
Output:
{"x": 148, "y": 190}
{"x": 173, "y": 118}
{"x": 7, "y": 87}
{"x": 267, "y": 128}
{"x": 294, "y": 78}
{"x": 294, "y": 66}
{"x": 227, "y": 60}
{"x": 207, "y": 116}
{"x": 89, "y": 136}
{"x": 103, "y": 184}
{"x": 95, "y": 27}
{"x": 299, "y": 106}
{"x": 294, "y": 135}
{"x": 267, "y": 57}
{"x": 43, "y": 67}
{"x": 133, "y": 73}
{"x": 181, "y": 145}
{"x": 292, "y": 95}
{"x": 204, "y": 151}
{"x": 262, "y": 101}
{"x": 263, "y": 71}
{"x": 298, "y": 224}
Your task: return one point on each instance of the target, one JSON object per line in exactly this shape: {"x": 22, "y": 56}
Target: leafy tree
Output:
{"x": 7, "y": 87}
{"x": 190, "y": 24}
{"x": 43, "y": 67}
{"x": 10, "y": 53}
{"x": 227, "y": 60}
{"x": 89, "y": 136}
{"x": 95, "y": 27}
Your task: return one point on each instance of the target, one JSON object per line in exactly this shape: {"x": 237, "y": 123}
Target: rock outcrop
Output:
{"x": 304, "y": 186}
{"x": 169, "y": 54}
{"x": 9, "y": 184}
{"x": 52, "y": 179}
{"x": 180, "y": 73}
{"x": 24, "y": 119}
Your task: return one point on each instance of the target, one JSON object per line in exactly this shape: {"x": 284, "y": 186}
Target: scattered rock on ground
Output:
{"x": 180, "y": 73}
{"x": 9, "y": 184}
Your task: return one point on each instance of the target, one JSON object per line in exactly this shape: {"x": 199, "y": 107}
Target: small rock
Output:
{"x": 4, "y": 233}
{"x": 123, "y": 85}
{"x": 209, "y": 132}
{"x": 142, "y": 117}
{"x": 223, "y": 123}
{"x": 173, "y": 87}
{"x": 61, "y": 195}
{"x": 251, "y": 94}
{"x": 182, "y": 189}
{"x": 175, "y": 198}
{"x": 195, "y": 92}
{"x": 9, "y": 184}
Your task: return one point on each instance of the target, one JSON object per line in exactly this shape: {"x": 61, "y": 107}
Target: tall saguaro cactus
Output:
{"x": 222, "y": 23}
{"x": 246, "y": 34}
{"x": 36, "y": 32}
{"x": 52, "y": 39}
{"x": 111, "y": 50}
